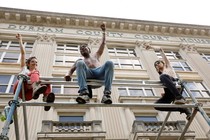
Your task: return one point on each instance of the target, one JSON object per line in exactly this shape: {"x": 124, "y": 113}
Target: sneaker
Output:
{"x": 50, "y": 98}
{"x": 180, "y": 101}
{"x": 106, "y": 99}
{"x": 83, "y": 97}
{"x": 38, "y": 89}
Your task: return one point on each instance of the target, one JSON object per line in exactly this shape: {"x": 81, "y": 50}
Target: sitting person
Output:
{"x": 90, "y": 68}
{"x": 33, "y": 90}
{"x": 167, "y": 77}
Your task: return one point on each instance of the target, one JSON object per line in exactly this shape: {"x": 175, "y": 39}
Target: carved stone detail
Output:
{"x": 93, "y": 41}
{"x": 188, "y": 47}
{"x": 45, "y": 38}
{"x": 142, "y": 44}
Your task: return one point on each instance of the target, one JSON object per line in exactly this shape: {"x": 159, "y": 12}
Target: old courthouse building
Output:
{"x": 54, "y": 38}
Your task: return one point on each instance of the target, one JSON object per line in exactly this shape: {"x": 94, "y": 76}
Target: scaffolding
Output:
{"x": 96, "y": 83}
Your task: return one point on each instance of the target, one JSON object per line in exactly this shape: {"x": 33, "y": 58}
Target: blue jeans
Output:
{"x": 104, "y": 72}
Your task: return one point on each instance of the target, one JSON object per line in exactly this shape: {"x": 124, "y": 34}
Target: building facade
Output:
{"x": 54, "y": 38}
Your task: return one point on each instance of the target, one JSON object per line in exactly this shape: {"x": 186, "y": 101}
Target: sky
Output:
{"x": 175, "y": 11}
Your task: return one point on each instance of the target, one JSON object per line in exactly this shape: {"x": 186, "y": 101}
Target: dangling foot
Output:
{"x": 83, "y": 97}
{"x": 38, "y": 89}
{"x": 106, "y": 99}
{"x": 50, "y": 98}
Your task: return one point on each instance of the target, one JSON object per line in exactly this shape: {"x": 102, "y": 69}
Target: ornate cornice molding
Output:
{"x": 10, "y": 15}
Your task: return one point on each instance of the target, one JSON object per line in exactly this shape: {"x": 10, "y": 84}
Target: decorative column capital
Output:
{"x": 142, "y": 44}
{"x": 45, "y": 38}
{"x": 188, "y": 47}
{"x": 93, "y": 41}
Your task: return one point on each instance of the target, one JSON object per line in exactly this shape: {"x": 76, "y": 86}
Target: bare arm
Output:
{"x": 164, "y": 57}
{"x": 69, "y": 74}
{"x": 162, "y": 53}
{"x": 22, "y": 51}
{"x": 101, "y": 48}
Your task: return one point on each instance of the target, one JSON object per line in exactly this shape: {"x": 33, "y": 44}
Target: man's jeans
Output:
{"x": 104, "y": 72}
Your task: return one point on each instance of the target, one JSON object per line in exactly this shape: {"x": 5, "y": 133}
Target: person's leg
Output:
{"x": 83, "y": 72}
{"x": 167, "y": 98}
{"x": 48, "y": 97}
{"x": 167, "y": 81}
{"x": 37, "y": 88}
{"x": 106, "y": 73}
{"x": 28, "y": 92}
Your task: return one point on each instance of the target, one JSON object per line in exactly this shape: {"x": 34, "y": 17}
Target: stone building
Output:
{"x": 54, "y": 39}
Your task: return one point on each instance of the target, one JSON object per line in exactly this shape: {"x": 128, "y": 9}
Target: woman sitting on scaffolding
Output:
{"x": 33, "y": 90}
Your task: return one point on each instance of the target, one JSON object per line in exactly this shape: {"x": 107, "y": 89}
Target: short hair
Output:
{"x": 158, "y": 61}
{"x": 29, "y": 60}
{"x": 85, "y": 45}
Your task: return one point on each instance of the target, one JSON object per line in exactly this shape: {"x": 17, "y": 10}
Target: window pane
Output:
{"x": 191, "y": 86}
{"x": 146, "y": 118}
{"x": 136, "y": 92}
{"x": 4, "y": 79}
{"x": 56, "y": 89}
{"x": 200, "y": 86}
{"x": 3, "y": 88}
{"x": 149, "y": 92}
{"x": 122, "y": 91}
{"x": 70, "y": 90}
{"x": 71, "y": 118}
{"x": 196, "y": 93}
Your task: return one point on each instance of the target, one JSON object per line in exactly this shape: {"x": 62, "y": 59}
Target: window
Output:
{"x": 6, "y": 83}
{"x": 197, "y": 89}
{"x": 146, "y": 118}
{"x": 10, "y": 51}
{"x": 65, "y": 60}
{"x": 124, "y": 58}
{"x": 64, "y": 89}
{"x": 206, "y": 57}
{"x": 176, "y": 61}
{"x": 71, "y": 118}
{"x": 128, "y": 91}
{"x": 68, "y": 48}
{"x": 66, "y": 54}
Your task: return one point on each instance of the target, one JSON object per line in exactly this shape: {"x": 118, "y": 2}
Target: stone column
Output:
{"x": 195, "y": 60}
{"x": 44, "y": 48}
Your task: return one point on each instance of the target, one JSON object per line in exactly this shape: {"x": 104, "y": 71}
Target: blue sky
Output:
{"x": 175, "y": 11}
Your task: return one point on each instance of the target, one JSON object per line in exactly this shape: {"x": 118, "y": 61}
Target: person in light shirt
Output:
{"x": 167, "y": 78}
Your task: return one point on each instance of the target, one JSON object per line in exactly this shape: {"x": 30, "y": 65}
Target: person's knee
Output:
{"x": 80, "y": 63}
{"x": 109, "y": 64}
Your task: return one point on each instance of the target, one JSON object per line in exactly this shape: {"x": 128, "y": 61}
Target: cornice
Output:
{"x": 40, "y": 18}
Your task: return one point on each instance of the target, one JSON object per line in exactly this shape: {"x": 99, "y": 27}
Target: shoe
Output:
{"x": 180, "y": 101}
{"x": 50, "y": 98}
{"x": 83, "y": 97}
{"x": 38, "y": 89}
{"x": 106, "y": 99}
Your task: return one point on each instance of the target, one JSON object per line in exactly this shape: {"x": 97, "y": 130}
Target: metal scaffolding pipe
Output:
{"x": 134, "y": 105}
{"x": 163, "y": 125}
